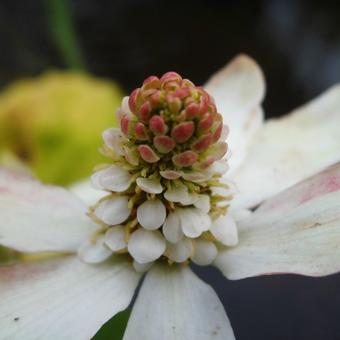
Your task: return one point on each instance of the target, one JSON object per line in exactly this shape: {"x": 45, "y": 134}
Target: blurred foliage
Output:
{"x": 54, "y": 123}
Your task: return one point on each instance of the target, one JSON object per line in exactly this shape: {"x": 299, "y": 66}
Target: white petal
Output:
{"x": 112, "y": 178}
{"x": 298, "y": 231}
{"x": 142, "y": 267}
{"x": 36, "y": 217}
{"x": 114, "y": 140}
{"x": 205, "y": 252}
{"x": 290, "y": 149}
{"x": 203, "y": 203}
{"x": 97, "y": 252}
{"x": 194, "y": 221}
{"x": 151, "y": 214}
{"x": 176, "y": 193}
{"x": 225, "y": 230}
{"x": 174, "y": 303}
{"x": 196, "y": 176}
{"x": 146, "y": 246}
{"x": 180, "y": 251}
{"x": 191, "y": 199}
{"x": 54, "y": 299}
{"x": 238, "y": 90}
{"x": 152, "y": 186}
{"x": 172, "y": 227}
{"x": 115, "y": 238}
{"x": 125, "y": 105}
{"x": 85, "y": 191}
{"x": 219, "y": 167}
{"x": 114, "y": 210}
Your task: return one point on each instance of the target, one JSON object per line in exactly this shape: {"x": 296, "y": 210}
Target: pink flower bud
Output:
{"x": 202, "y": 143}
{"x": 140, "y": 131}
{"x": 217, "y": 131}
{"x": 144, "y": 112}
{"x": 152, "y": 82}
{"x": 157, "y": 125}
{"x": 133, "y": 100}
{"x": 125, "y": 124}
{"x": 183, "y": 132}
{"x": 192, "y": 110}
{"x": 164, "y": 144}
{"x": 205, "y": 123}
{"x": 174, "y": 103}
{"x": 148, "y": 154}
{"x": 156, "y": 98}
{"x": 170, "y": 76}
{"x": 170, "y": 174}
{"x": 184, "y": 159}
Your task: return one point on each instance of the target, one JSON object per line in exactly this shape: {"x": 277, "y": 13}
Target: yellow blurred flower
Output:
{"x": 54, "y": 122}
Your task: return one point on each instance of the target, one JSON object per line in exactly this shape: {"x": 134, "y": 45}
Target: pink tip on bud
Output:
{"x": 144, "y": 112}
{"x": 140, "y": 131}
{"x": 185, "y": 159}
{"x": 183, "y": 132}
{"x": 133, "y": 100}
{"x": 218, "y": 150}
{"x": 148, "y": 154}
{"x": 124, "y": 124}
{"x": 157, "y": 125}
{"x": 151, "y": 82}
{"x": 170, "y": 76}
{"x": 202, "y": 143}
{"x": 174, "y": 103}
{"x": 218, "y": 131}
{"x": 182, "y": 92}
{"x": 192, "y": 110}
{"x": 164, "y": 144}
{"x": 171, "y": 174}
{"x": 156, "y": 98}
{"x": 205, "y": 123}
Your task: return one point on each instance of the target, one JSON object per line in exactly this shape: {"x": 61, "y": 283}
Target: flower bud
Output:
{"x": 183, "y": 132}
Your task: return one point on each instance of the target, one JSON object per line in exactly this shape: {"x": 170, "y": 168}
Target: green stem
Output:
{"x": 61, "y": 24}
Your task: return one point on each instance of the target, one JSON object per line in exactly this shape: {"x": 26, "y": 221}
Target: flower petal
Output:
{"x": 176, "y": 193}
{"x": 113, "y": 138}
{"x": 85, "y": 191}
{"x": 238, "y": 90}
{"x": 194, "y": 221}
{"x": 180, "y": 251}
{"x": 152, "y": 186}
{"x": 114, "y": 210}
{"x": 94, "y": 252}
{"x": 37, "y": 217}
{"x": 115, "y": 238}
{"x": 174, "y": 303}
{"x": 225, "y": 230}
{"x": 290, "y": 149}
{"x": 53, "y": 299}
{"x": 205, "y": 252}
{"x": 146, "y": 246}
{"x": 112, "y": 178}
{"x": 172, "y": 229}
{"x": 203, "y": 203}
{"x": 297, "y": 231}
{"x": 151, "y": 214}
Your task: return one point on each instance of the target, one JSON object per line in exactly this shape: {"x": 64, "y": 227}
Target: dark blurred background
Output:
{"x": 297, "y": 43}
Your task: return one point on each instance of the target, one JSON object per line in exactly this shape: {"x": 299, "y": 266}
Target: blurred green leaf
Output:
{"x": 114, "y": 329}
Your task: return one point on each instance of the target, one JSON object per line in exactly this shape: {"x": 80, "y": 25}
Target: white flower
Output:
{"x": 282, "y": 166}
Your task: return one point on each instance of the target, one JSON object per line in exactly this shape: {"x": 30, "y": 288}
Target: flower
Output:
{"x": 162, "y": 211}
{"x": 42, "y": 123}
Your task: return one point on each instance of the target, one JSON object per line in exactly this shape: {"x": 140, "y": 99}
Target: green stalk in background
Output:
{"x": 62, "y": 29}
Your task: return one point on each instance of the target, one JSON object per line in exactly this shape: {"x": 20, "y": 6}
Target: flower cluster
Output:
{"x": 166, "y": 198}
